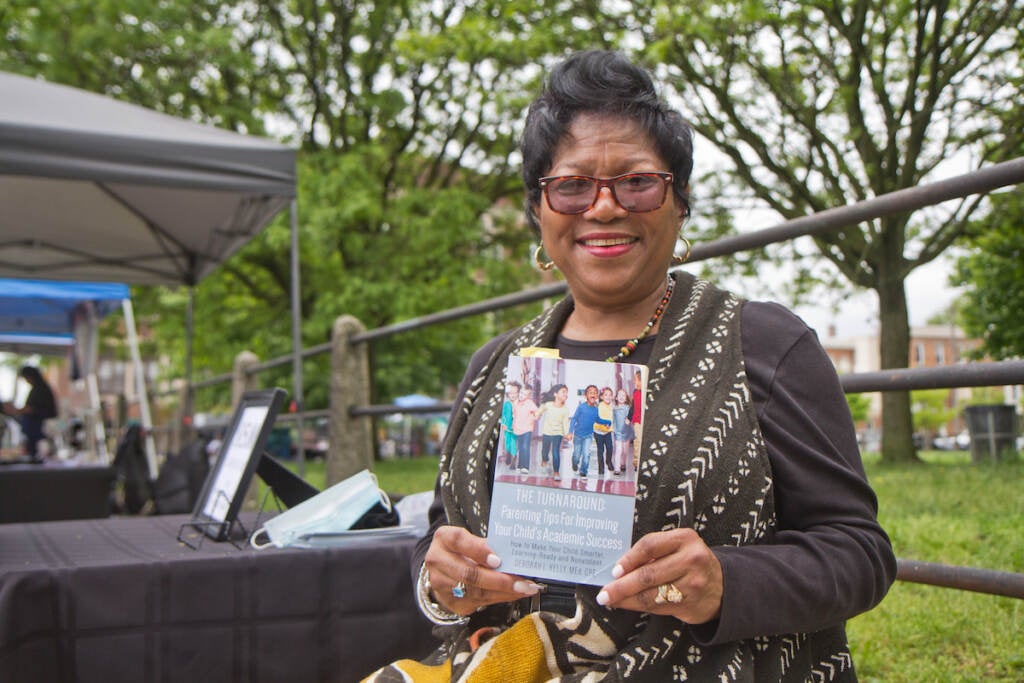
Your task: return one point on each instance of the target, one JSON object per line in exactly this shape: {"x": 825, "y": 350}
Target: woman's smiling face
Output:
{"x": 608, "y": 255}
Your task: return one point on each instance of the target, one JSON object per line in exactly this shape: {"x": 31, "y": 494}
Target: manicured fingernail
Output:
{"x": 602, "y": 598}
{"x": 525, "y": 587}
{"x": 493, "y": 561}
{"x": 617, "y": 571}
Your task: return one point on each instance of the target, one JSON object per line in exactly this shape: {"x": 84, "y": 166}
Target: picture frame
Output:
{"x": 220, "y": 500}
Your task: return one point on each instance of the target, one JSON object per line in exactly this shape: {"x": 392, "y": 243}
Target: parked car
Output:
{"x": 314, "y": 439}
{"x": 957, "y": 442}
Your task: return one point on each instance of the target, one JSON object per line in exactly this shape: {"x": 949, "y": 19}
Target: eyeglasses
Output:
{"x": 634, "y": 192}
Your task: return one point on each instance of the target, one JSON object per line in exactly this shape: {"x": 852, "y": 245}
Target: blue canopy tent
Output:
{"x": 41, "y": 316}
{"x": 36, "y": 344}
{"x": 43, "y": 307}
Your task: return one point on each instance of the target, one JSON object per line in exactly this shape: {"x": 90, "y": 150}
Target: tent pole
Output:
{"x": 99, "y": 432}
{"x": 140, "y": 386}
{"x": 186, "y": 409}
{"x": 297, "y": 339}
{"x": 91, "y": 345}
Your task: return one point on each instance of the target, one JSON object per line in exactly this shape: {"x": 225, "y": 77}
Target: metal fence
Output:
{"x": 348, "y": 414}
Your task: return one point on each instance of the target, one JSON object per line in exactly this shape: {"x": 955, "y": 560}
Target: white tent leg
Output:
{"x": 140, "y": 387}
{"x": 87, "y": 336}
{"x": 93, "y": 387}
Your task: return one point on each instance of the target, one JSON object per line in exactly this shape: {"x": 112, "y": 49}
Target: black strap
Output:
{"x": 289, "y": 487}
{"x": 555, "y": 597}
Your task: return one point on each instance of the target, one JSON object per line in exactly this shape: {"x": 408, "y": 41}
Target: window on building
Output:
{"x": 919, "y": 354}
{"x": 940, "y": 354}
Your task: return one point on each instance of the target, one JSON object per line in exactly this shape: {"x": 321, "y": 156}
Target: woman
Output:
{"x": 755, "y": 534}
{"x": 40, "y": 405}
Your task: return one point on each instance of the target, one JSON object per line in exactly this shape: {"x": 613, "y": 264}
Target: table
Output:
{"x": 45, "y": 492}
{"x": 122, "y": 600}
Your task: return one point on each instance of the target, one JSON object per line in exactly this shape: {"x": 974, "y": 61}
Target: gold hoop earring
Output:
{"x": 543, "y": 265}
{"x": 680, "y": 260}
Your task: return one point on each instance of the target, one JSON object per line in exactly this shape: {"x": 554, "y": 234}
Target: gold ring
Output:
{"x": 667, "y": 592}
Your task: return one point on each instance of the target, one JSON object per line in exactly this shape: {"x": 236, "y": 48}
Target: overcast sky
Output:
{"x": 928, "y": 293}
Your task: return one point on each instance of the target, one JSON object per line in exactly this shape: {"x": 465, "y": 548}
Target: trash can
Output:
{"x": 279, "y": 443}
{"x": 993, "y": 430}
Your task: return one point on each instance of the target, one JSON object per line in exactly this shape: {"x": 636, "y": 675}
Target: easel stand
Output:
{"x": 287, "y": 488}
{"x": 232, "y": 532}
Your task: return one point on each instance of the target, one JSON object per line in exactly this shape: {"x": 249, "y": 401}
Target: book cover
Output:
{"x": 565, "y": 477}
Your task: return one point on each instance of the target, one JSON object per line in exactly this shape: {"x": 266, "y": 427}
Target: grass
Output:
{"x": 398, "y": 477}
{"x": 408, "y": 475}
{"x": 953, "y": 512}
{"x": 947, "y": 510}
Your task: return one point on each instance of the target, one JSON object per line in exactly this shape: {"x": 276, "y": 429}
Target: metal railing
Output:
{"x": 962, "y": 375}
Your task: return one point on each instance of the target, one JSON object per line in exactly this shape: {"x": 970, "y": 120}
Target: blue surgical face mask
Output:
{"x": 330, "y": 511}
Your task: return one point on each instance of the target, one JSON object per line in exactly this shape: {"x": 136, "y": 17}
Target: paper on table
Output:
{"x": 340, "y": 538}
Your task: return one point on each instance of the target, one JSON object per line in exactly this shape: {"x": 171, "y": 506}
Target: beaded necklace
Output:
{"x": 630, "y": 346}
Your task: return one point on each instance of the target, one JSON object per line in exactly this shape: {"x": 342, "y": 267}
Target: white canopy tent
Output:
{"x": 96, "y": 189}
{"x": 93, "y": 189}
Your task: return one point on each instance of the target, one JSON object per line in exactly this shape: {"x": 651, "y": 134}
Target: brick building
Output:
{"x": 930, "y": 346}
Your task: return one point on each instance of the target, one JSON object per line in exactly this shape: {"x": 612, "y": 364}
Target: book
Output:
{"x": 564, "y": 487}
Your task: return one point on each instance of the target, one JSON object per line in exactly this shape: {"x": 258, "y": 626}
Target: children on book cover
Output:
{"x": 563, "y": 508}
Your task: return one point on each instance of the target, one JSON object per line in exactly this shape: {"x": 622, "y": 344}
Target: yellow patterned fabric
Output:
{"x": 412, "y": 671}
{"x": 520, "y": 654}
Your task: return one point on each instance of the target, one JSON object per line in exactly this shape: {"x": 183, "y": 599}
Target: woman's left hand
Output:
{"x": 668, "y": 572}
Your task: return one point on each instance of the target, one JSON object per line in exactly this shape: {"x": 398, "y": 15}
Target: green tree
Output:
{"x": 181, "y": 58}
{"x": 406, "y": 115}
{"x": 859, "y": 405}
{"x": 818, "y": 104}
{"x": 931, "y": 410}
{"x": 185, "y": 59}
{"x": 993, "y": 276}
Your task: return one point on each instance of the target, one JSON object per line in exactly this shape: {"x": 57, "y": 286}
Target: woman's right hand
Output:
{"x": 454, "y": 556}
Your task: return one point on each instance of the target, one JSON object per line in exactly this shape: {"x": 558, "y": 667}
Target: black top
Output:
{"x": 829, "y": 559}
{"x": 40, "y": 402}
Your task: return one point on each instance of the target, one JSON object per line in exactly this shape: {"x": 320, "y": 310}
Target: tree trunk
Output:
{"x": 894, "y": 352}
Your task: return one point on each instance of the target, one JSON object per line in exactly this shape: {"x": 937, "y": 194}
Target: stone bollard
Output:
{"x": 241, "y": 380}
{"x": 351, "y": 438}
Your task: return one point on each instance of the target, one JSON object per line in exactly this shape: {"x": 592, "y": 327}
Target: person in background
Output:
{"x": 40, "y": 405}
{"x": 755, "y": 533}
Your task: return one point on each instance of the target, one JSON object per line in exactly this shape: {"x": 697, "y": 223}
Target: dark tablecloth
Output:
{"x": 122, "y": 600}
{"x": 42, "y": 493}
